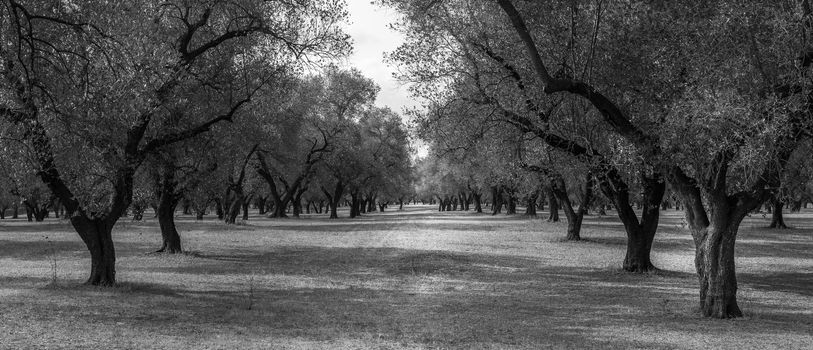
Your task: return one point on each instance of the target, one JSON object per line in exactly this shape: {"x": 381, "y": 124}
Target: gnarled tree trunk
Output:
{"x": 553, "y": 206}
{"x": 511, "y": 207}
{"x": 236, "y": 203}
{"x": 97, "y": 236}
{"x": 334, "y": 198}
{"x": 530, "y": 208}
{"x": 169, "y": 233}
{"x": 574, "y": 219}
{"x": 640, "y": 235}
{"x": 296, "y": 201}
{"x": 219, "y": 209}
{"x": 777, "y": 219}
{"x": 167, "y": 202}
{"x": 168, "y": 198}
{"x": 496, "y": 198}
{"x": 714, "y": 261}
{"x": 371, "y": 203}
{"x": 245, "y": 206}
{"x": 639, "y": 241}
{"x": 260, "y": 203}
{"x": 355, "y": 205}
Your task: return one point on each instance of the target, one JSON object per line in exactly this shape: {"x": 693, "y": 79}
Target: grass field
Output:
{"x": 411, "y": 279}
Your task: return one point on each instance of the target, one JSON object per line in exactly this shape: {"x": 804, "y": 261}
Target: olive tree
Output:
{"x": 98, "y": 87}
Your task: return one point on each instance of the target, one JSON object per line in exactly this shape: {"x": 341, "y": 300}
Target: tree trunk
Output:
{"x": 36, "y": 211}
{"x": 246, "y": 204}
{"x": 714, "y": 261}
{"x": 296, "y": 202}
{"x": 714, "y": 231}
{"x": 777, "y": 219}
{"x": 714, "y": 254}
{"x": 333, "y": 209}
{"x": 371, "y": 204}
{"x": 219, "y": 210}
{"x": 496, "y": 198}
{"x": 796, "y": 206}
{"x": 511, "y": 208}
{"x": 260, "y": 203}
{"x": 280, "y": 200}
{"x": 574, "y": 218}
{"x": 362, "y": 205}
{"x": 530, "y": 208}
{"x": 553, "y": 205}
{"x": 334, "y": 198}
{"x": 234, "y": 208}
{"x": 138, "y": 212}
{"x": 478, "y": 207}
{"x": 166, "y": 220}
{"x": 279, "y": 204}
{"x": 639, "y": 234}
{"x": 97, "y": 236}
{"x": 355, "y": 205}
{"x": 168, "y": 198}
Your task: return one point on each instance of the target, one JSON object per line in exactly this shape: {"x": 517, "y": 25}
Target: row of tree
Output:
{"x": 711, "y": 98}
{"x": 110, "y": 108}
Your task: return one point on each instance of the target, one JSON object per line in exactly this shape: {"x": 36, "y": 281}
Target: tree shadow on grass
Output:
{"x": 436, "y": 298}
{"x": 13, "y": 282}
{"x": 121, "y": 289}
{"x": 47, "y": 249}
{"x": 659, "y": 244}
{"x": 793, "y": 282}
{"x": 542, "y": 307}
{"x": 383, "y": 262}
{"x": 349, "y": 226}
{"x": 768, "y": 246}
{"x": 29, "y": 227}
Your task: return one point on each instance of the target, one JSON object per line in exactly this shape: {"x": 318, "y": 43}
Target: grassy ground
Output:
{"x": 412, "y": 279}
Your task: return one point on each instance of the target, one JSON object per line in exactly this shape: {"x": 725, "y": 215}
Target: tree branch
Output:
{"x": 168, "y": 139}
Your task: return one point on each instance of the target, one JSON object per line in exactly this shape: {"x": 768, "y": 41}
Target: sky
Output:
{"x": 371, "y": 39}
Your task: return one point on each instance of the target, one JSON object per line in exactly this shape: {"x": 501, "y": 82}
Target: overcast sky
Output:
{"x": 371, "y": 39}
